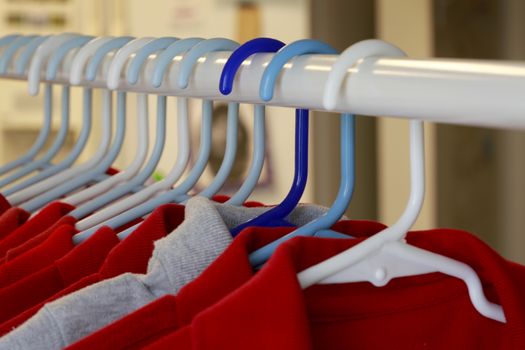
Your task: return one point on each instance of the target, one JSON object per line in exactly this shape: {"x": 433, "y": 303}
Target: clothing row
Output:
{"x": 181, "y": 281}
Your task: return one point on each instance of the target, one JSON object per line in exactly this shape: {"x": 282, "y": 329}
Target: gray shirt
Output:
{"x": 177, "y": 259}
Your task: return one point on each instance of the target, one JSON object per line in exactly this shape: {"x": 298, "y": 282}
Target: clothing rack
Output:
{"x": 455, "y": 91}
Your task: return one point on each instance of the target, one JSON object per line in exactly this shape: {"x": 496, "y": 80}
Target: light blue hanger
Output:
{"x": 195, "y": 172}
{"x": 226, "y": 86}
{"x": 52, "y": 67}
{"x": 84, "y": 179}
{"x": 167, "y": 197}
{"x": 11, "y": 49}
{"x": 165, "y": 58}
{"x": 96, "y": 60}
{"x": 276, "y": 216}
{"x": 141, "y": 56}
{"x": 22, "y": 61}
{"x": 186, "y": 68}
{"x": 152, "y": 163}
{"x": 162, "y": 62}
{"x": 45, "y": 161}
{"x": 8, "y": 39}
{"x": 97, "y": 219}
{"x": 344, "y": 196}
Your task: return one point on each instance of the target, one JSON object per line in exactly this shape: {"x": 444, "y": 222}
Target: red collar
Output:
{"x": 133, "y": 253}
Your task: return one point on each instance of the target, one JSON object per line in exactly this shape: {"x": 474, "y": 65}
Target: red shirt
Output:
{"x": 24, "y": 244}
{"x": 270, "y": 311}
{"x": 58, "y": 244}
{"x": 16, "y": 218}
{"x": 130, "y": 255}
{"x": 12, "y": 219}
{"x": 206, "y": 290}
{"x": 41, "y": 237}
{"x": 4, "y": 204}
{"x": 82, "y": 261}
{"x": 39, "y": 223}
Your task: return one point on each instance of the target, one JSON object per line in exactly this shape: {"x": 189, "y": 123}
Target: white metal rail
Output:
{"x": 468, "y": 92}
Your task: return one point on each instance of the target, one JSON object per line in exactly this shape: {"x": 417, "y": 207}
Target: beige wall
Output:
{"x": 407, "y": 24}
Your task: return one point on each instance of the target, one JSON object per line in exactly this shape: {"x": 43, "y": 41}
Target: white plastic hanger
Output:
{"x": 386, "y": 255}
{"x": 183, "y": 132}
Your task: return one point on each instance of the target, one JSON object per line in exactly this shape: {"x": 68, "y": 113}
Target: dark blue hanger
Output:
{"x": 276, "y": 215}
{"x": 226, "y": 85}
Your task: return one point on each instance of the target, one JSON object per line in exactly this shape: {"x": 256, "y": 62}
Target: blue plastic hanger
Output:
{"x": 276, "y": 215}
{"x": 194, "y": 174}
{"x": 226, "y": 86}
{"x": 86, "y": 178}
{"x": 158, "y": 147}
{"x": 186, "y": 67}
{"x": 52, "y": 67}
{"x": 45, "y": 130}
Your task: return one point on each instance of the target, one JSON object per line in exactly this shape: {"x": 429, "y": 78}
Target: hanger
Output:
{"x": 226, "y": 86}
{"x": 12, "y": 47}
{"x": 40, "y": 54}
{"x": 77, "y": 67}
{"x": 386, "y": 255}
{"x": 143, "y": 175}
{"x": 93, "y": 65}
{"x": 142, "y": 138}
{"x": 186, "y": 68}
{"x": 160, "y": 64}
{"x": 277, "y": 214}
{"x": 169, "y": 196}
{"x": 8, "y": 39}
{"x": 52, "y": 67}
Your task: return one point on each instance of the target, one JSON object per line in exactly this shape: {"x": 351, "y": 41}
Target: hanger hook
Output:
{"x": 200, "y": 49}
{"x": 143, "y": 54}
{"x": 120, "y": 59}
{"x": 27, "y": 53}
{"x": 41, "y": 54}
{"x": 11, "y": 49}
{"x": 98, "y": 56}
{"x": 362, "y": 49}
{"x": 58, "y": 55}
{"x": 82, "y": 56}
{"x": 299, "y": 47}
{"x": 165, "y": 58}
{"x": 244, "y": 51}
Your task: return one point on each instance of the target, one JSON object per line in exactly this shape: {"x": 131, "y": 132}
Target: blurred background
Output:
{"x": 475, "y": 176}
